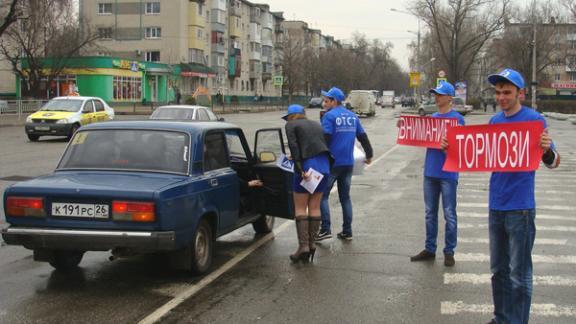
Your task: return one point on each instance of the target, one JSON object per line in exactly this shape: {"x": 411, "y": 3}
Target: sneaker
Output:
{"x": 345, "y": 236}
{"x": 423, "y": 256}
{"x": 449, "y": 260}
{"x": 322, "y": 235}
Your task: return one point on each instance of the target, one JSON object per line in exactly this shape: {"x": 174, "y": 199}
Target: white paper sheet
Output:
{"x": 313, "y": 181}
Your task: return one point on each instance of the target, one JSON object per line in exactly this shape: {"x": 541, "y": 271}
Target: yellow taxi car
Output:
{"x": 62, "y": 116}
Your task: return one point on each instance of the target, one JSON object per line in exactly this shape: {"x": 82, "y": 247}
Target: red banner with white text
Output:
{"x": 423, "y": 131}
{"x": 509, "y": 147}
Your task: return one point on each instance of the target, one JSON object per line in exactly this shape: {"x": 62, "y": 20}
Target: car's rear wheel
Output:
{"x": 33, "y": 137}
{"x": 73, "y": 131}
{"x": 421, "y": 112}
{"x": 66, "y": 260}
{"x": 264, "y": 224}
{"x": 202, "y": 248}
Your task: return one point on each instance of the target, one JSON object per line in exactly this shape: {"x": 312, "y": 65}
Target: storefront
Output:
{"x": 112, "y": 79}
{"x": 193, "y": 76}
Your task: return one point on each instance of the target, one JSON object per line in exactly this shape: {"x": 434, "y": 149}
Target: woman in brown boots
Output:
{"x": 309, "y": 151}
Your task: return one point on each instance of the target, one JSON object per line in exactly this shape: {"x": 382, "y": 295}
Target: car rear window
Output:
{"x": 172, "y": 113}
{"x": 136, "y": 150}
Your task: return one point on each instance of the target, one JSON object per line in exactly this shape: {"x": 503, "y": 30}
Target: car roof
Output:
{"x": 183, "y": 107}
{"x": 185, "y": 126}
{"x": 75, "y": 97}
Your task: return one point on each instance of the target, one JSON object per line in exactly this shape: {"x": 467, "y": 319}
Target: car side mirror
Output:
{"x": 267, "y": 157}
{"x": 221, "y": 119}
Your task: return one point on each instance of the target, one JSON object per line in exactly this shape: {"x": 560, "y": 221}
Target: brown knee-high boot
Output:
{"x": 303, "y": 252}
{"x": 313, "y": 227}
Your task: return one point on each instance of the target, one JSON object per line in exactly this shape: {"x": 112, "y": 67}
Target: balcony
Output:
{"x": 255, "y": 56}
{"x": 235, "y": 11}
{"x": 257, "y": 19}
{"x": 218, "y": 48}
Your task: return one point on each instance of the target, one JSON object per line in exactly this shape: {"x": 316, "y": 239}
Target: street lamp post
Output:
{"x": 417, "y": 63}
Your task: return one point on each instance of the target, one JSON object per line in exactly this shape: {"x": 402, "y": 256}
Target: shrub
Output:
{"x": 190, "y": 100}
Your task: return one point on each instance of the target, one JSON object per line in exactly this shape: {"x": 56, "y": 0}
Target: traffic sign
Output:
{"x": 439, "y": 80}
{"x": 414, "y": 79}
{"x": 441, "y": 74}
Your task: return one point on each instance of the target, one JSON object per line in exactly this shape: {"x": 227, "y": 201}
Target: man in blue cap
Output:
{"x": 440, "y": 183}
{"x": 512, "y": 210}
{"x": 341, "y": 129}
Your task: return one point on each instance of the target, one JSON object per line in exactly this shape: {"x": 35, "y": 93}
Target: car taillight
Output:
{"x": 133, "y": 211}
{"x": 25, "y": 206}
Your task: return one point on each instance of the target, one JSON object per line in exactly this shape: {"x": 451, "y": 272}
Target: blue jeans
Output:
{"x": 512, "y": 236}
{"x": 433, "y": 188}
{"x": 343, "y": 176}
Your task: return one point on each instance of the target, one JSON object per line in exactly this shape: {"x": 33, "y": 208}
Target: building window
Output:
{"x": 105, "y": 33}
{"x": 557, "y": 77}
{"x": 153, "y": 56}
{"x": 127, "y": 88}
{"x": 152, "y": 8}
{"x": 200, "y": 9}
{"x": 153, "y": 32}
{"x": 572, "y": 76}
{"x": 105, "y": 8}
{"x": 195, "y": 56}
{"x": 199, "y": 34}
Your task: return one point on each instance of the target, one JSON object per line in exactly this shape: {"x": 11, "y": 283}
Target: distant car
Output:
{"x": 315, "y": 102}
{"x": 361, "y": 102}
{"x": 136, "y": 187}
{"x": 408, "y": 102}
{"x": 184, "y": 112}
{"x": 459, "y": 106}
{"x": 63, "y": 116}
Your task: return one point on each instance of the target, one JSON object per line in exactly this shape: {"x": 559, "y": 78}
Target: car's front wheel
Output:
{"x": 73, "y": 131}
{"x": 264, "y": 224}
{"x": 33, "y": 138}
{"x": 66, "y": 260}
{"x": 202, "y": 248}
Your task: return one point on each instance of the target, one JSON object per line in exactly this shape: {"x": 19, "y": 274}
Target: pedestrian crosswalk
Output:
{"x": 554, "y": 256}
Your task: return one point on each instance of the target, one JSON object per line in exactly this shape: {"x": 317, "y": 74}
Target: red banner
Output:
{"x": 423, "y": 131}
{"x": 508, "y": 147}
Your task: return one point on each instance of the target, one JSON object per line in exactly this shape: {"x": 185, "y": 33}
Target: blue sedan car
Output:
{"x": 149, "y": 186}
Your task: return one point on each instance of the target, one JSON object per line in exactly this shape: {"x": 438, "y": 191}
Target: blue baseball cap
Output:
{"x": 335, "y": 94}
{"x": 445, "y": 88}
{"x": 508, "y": 75}
{"x": 293, "y": 109}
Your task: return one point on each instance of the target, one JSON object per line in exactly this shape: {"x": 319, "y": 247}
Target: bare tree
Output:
{"x": 514, "y": 48}
{"x": 292, "y": 66}
{"x": 39, "y": 48}
{"x": 9, "y": 9}
{"x": 460, "y": 29}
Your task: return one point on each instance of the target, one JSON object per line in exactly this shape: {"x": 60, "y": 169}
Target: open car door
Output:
{"x": 276, "y": 198}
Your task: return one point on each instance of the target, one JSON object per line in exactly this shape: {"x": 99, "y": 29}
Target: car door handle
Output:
{"x": 213, "y": 182}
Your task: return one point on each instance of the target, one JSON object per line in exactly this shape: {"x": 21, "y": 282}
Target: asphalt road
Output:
{"x": 367, "y": 280}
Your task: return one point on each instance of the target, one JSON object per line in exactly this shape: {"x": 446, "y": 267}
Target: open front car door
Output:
{"x": 276, "y": 198}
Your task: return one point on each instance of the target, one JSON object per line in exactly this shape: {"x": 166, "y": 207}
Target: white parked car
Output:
{"x": 184, "y": 112}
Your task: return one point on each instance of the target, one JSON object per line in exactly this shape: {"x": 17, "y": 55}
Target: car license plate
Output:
{"x": 42, "y": 128}
{"x": 80, "y": 210}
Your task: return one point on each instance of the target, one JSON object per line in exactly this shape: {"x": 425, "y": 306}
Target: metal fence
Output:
{"x": 20, "y": 107}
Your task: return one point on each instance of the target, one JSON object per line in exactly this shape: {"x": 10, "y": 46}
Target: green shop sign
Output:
{"x": 278, "y": 80}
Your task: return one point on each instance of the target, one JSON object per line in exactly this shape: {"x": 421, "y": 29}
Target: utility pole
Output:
{"x": 534, "y": 82}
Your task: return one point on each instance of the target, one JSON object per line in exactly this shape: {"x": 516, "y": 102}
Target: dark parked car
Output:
{"x": 315, "y": 102}
{"x": 149, "y": 186}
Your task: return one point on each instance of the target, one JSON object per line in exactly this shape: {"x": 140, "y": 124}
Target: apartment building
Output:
{"x": 227, "y": 46}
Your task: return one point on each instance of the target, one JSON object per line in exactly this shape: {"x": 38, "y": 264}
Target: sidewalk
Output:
{"x": 14, "y": 120}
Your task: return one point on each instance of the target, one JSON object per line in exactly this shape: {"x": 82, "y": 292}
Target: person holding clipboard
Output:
{"x": 311, "y": 158}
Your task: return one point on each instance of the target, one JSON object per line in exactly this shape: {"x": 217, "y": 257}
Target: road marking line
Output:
{"x": 192, "y": 290}
{"x": 555, "y": 259}
{"x": 485, "y": 205}
{"x": 538, "y": 216}
{"x": 549, "y": 192}
{"x": 538, "y": 227}
{"x": 536, "y": 242}
{"x": 482, "y": 279}
{"x": 452, "y": 308}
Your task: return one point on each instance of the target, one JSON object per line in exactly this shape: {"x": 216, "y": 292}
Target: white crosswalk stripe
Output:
{"x": 538, "y": 227}
{"x": 538, "y": 216}
{"x": 551, "y": 310}
{"x": 482, "y": 279}
{"x": 557, "y": 259}
{"x": 485, "y": 205}
{"x": 537, "y": 242}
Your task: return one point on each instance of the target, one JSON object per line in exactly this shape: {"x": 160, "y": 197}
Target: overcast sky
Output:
{"x": 342, "y": 18}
